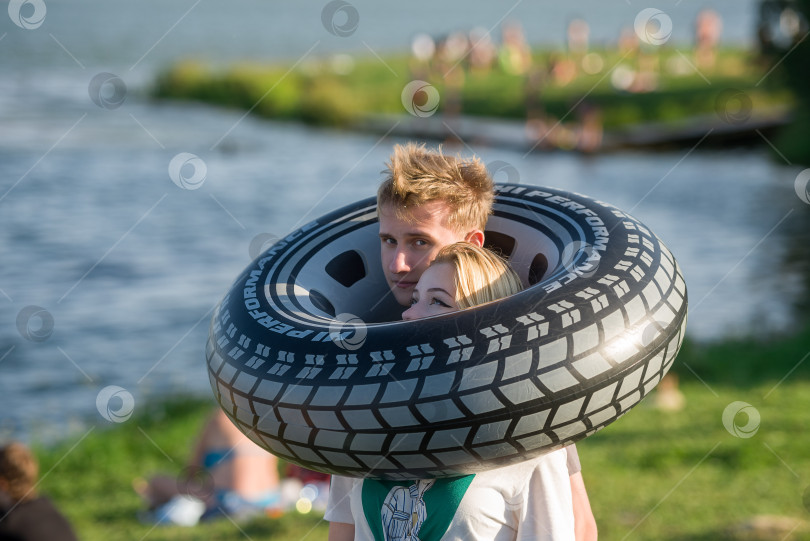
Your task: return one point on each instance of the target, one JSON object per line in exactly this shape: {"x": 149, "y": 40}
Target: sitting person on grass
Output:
{"x": 25, "y": 515}
{"x": 227, "y": 474}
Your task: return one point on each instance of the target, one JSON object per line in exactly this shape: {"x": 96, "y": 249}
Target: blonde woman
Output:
{"x": 529, "y": 500}
{"x": 461, "y": 276}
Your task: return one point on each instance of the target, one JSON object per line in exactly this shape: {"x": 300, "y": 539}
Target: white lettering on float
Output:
{"x": 597, "y": 226}
{"x": 262, "y": 318}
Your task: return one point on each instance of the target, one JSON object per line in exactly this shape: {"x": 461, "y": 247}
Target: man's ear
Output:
{"x": 476, "y": 237}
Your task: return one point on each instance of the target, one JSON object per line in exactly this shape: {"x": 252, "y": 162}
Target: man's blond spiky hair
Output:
{"x": 416, "y": 176}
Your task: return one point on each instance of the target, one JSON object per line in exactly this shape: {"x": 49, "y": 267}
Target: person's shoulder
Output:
{"x": 5, "y": 503}
{"x": 339, "y": 482}
{"x": 553, "y": 458}
{"x": 41, "y": 506}
{"x": 40, "y": 519}
{"x": 41, "y": 503}
{"x": 515, "y": 478}
{"x": 513, "y": 475}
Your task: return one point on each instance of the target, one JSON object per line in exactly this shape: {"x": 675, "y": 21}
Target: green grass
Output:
{"x": 314, "y": 92}
{"x": 746, "y": 360}
{"x": 90, "y": 479}
{"x": 660, "y": 475}
{"x": 650, "y": 475}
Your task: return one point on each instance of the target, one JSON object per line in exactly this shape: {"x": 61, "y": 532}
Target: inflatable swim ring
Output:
{"x": 302, "y": 360}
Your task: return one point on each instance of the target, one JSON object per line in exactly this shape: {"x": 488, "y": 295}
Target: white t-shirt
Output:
{"x": 530, "y": 500}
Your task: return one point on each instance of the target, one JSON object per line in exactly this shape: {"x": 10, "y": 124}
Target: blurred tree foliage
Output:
{"x": 783, "y": 37}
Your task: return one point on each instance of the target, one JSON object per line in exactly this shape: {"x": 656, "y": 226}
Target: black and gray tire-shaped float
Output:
{"x": 497, "y": 384}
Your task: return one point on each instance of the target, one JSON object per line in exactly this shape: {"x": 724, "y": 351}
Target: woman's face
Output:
{"x": 434, "y": 294}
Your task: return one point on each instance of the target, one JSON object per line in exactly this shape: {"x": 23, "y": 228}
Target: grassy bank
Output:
{"x": 91, "y": 480}
{"x": 342, "y": 90}
{"x": 651, "y": 475}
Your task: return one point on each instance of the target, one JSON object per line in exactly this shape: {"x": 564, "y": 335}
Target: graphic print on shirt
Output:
{"x": 412, "y": 510}
{"x": 404, "y": 511}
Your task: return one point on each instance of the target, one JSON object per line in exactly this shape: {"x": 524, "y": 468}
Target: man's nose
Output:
{"x": 399, "y": 263}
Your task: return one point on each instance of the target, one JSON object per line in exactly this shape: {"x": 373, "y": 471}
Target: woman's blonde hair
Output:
{"x": 481, "y": 275}
{"x": 18, "y": 470}
{"x": 416, "y": 176}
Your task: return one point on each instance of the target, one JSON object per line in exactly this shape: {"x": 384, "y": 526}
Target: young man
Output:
{"x": 429, "y": 201}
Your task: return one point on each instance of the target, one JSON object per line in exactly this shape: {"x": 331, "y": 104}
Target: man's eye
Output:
{"x": 389, "y": 241}
{"x": 421, "y": 242}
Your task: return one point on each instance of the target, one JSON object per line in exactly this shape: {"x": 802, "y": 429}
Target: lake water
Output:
{"x": 129, "y": 266}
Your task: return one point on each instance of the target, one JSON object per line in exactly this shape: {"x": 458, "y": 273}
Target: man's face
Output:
{"x": 410, "y": 243}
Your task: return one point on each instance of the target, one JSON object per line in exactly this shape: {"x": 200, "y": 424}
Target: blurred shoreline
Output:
{"x": 595, "y": 100}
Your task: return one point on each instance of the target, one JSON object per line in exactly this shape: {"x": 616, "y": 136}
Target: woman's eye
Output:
{"x": 413, "y": 301}
{"x": 439, "y": 302}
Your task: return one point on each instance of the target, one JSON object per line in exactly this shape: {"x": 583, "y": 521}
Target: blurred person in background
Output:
{"x": 515, "y": 56}
{"x": 227, "y": 473}
{"x": 24, "y": 514}
{"x": 708, "y": 27}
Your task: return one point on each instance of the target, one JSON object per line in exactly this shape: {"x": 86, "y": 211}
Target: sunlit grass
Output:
{"x": 683, "y": 475}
